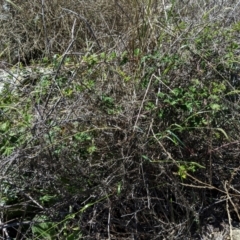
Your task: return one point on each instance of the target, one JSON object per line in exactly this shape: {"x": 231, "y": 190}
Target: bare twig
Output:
{"x": 227, "y": 208}
{"x": 87, "y": 24}
{"x": 45, "y": 28}
{"x": 34, "y": 201}
{"x": 140, "y": 109}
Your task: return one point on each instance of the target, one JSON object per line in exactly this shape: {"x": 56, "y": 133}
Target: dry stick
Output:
{"x": 54, "y": 78}
{"x": 161, "y": 145}
{"x": 205, "y": 185}
{"x": 165, "y": 85}
{"x": 234, "y": 8}
{"x": 109, "y": 220}
{"x": 165, "y": 10}
{"x": 233, "y": 174}
{"x": 146, "y": 186}
{"x": 159, "y": 86}
{"x": 64, "y": 56}
{"x": 210, "y": 156}
{"x": 235, "y": 190}
{"x": 226, "y": 192}
{"x": 225, "y": 145}
{"x": 3, "y": 227}
{"x": 209, "y": 206}
{"x": 229, "y": 184}
{"x": 110, "y": 32}
{"x": 19, "y": 230}
{"x": 45, "y": 28}
{"x": 59, "y": 66}
{"x": 140, "y": 109}
{"x": 73, "y": 29}
{"x": 8, "y": 160}
{"x": 228, "y": 213}
{"x": 209, "y": 63}
{"x": 87, "y": 24}
{"x": 121, "y": 8}
{"x": 169, "y": 157}
{"x": 235, "y": 208}
{"x": 34, "y": 201}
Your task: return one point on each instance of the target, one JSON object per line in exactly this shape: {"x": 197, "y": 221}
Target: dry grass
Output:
{"x": 131, "y": 132}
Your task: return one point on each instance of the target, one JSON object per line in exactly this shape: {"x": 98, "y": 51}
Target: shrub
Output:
{"x": 129, "y": 127}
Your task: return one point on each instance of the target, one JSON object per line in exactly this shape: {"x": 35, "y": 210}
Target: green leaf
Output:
{"x": 4, "y": 127}
{"x": 136, "y": 51}
{"x": 74, "y": 236}
{"x": 222, "y": 131}
{"x": 113, "y": 55}
{"x": 47, "y": 198}
{"x": 119, "y": 188}
{"x": 76, "y": 228}
{"x": 182, "y": 172}
{"x": 92, "y": 149}
{"x": 82, "y": 136}
{"x": 215, "y": 106}
{"x": 44, "y": 230}
{"x": 175, "y": 138}
{"x": 7, "y": 150}
{"x": 146, "y": 158}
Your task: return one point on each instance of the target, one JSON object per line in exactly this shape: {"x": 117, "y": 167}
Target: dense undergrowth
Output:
{"x": 132, "y": 132}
